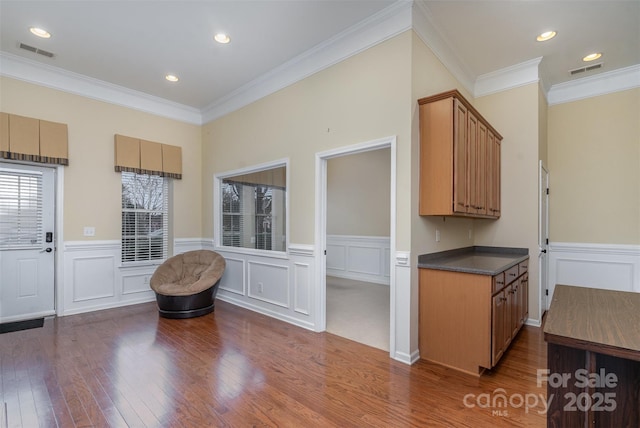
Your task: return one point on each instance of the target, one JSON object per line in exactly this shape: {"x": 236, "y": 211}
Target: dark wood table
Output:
{"x": 593, "y": 338}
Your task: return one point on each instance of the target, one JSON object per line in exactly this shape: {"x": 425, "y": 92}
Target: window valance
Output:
{"x": 29, "y": 139}
{"x": 147, "y": 157}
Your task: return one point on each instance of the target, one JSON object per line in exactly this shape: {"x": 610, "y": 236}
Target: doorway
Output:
{"x": 348, "y": 282}
{"x": 27, "y": 242}
{"x": 543, "y": 238}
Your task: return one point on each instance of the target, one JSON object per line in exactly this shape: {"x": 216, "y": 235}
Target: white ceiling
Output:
{"x": 134, "y": 43}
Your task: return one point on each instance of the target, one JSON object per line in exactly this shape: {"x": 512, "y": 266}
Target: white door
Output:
{"x": 27, "y": 242}
{"x": 543, "y": 238}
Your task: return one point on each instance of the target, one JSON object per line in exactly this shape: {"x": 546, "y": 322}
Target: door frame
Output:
{"x": 321, "y": 230}
{"x": 58, "y": 222}
{"x": 543, "y": 219}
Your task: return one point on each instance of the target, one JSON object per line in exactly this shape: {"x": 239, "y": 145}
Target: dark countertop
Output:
{"x": 604, "y": 321}
{"x": 476, "y": 260}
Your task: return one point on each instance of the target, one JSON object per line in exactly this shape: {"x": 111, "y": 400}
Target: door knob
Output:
{"x": 48, "y": 250}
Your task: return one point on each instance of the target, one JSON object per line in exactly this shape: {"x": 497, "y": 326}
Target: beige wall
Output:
{"x": 430, "y": 77}
{"x": 363, "y": 98}
{"x": 92, "y": 189}
{"x": 543, "y": 125}
{"x": 594, "y": 168}
{"x": 514, "y": 113}
{"x": 358, "y": 194}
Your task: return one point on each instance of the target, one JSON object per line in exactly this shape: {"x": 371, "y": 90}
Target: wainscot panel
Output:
{"x": 611, "y": 267}
{"x": 93, "y": 278}
{"x": 362, "y": 258}
{"x": 276, "y": 285}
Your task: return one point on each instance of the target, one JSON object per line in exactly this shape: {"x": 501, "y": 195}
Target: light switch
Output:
{"x": 89, "y": 231}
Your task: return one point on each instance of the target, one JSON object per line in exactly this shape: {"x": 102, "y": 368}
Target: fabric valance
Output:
{"x": 147, "y": 157}
{"x": 28, "y": 139}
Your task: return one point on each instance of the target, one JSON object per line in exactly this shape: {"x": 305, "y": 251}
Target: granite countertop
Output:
{"x": 476, "y": 260}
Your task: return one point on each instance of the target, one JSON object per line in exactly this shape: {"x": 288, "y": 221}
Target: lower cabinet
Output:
{"x": 467, "y": 321}
{"x": 509, "y": 313}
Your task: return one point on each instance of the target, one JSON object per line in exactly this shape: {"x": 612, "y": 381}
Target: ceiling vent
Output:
{"x": 36, "y": 50}
{"x": 585, "y": 69}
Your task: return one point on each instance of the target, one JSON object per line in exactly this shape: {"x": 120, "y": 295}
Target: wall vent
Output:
{"x": 585, "y": 69}
{"x": 36, "y": 50}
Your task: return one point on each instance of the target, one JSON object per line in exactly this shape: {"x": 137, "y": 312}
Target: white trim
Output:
{"x": 592, "y": 86}
{"x": 606, "y": 266}
{"x": 301, "y": 250}
{"x": 360, "y": 258}
{"x": 379, "y": 27}
{"x": 30, "y": 71}
{"x": 321, "y": 230}
{"x": 217, "y": 226}
{"x": 506, "y": 78}
{"x": 429, "y": 32}
{"x": 81, "y": 246}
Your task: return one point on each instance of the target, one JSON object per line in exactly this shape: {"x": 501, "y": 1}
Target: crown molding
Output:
{"x": 428, "y": 31}
{"x": 30, "y": 71}
{"x": 508, "y": 78}
{"x": 381, "y": 26}
{"x": 592, "y": 86}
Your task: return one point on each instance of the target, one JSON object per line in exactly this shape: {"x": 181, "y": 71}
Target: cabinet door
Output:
{"x": 516, "y": 313}
{"x": 493, "y": 174}
{"x": 497, "y": 327}
{"x": 460, "y": 155}
{"x": 472, "y": 164}
{"x": 524, "y": 298}
{"x": 508, "y": 314}
{"x": 480, "y": 188}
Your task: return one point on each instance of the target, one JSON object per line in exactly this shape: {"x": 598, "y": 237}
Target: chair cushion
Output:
{"x": 188, "y": 273}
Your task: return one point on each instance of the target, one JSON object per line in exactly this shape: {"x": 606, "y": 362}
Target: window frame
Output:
{"x": 168, "y": 199}
{"x": 218, "y": 215}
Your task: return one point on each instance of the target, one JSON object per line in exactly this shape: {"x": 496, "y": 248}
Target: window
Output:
{"x": 254, "y": 210}
{"x": 145, "y": 217}
{"x": 20, "y": 209}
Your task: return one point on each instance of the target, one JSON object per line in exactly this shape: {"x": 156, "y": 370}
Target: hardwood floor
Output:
{"x": 235, "y": 368}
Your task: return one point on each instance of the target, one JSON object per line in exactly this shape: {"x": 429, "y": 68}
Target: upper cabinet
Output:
{"x": 459, "y": 159}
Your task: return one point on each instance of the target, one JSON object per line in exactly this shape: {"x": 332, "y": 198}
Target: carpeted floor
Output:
{"x": 358, "y": 311}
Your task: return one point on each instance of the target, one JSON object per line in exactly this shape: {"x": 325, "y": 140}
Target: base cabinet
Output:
{"x": 467, "y": 321}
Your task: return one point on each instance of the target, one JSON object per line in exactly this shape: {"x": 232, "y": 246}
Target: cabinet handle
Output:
{"x": 512, "y": 274}
{"x": 524, "y": 267}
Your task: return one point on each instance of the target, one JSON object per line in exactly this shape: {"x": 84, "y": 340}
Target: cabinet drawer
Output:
{"x": 498, "y": 282}
{"x": 511, "y": 274}
{"x": 523, "y": 267}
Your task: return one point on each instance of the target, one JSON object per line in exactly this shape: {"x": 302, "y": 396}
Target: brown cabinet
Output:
{"x": 510, "y": 308}
{"x": 459, "y": 159}
{"x": 467, "y": 320}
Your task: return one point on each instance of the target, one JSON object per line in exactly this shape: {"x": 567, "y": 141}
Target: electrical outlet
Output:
{"x": 470, "y": 235}
{"x": 260, "y": 288}
{"x": 89, "y": 231}
{"x": 437, "y": 235}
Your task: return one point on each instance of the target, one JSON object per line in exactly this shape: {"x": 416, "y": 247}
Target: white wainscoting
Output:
{"x": 611, "y": 267}
{"x": 363, "y": 258}
{"x": 275, "y": 285}
{"x": 93, "y": 279}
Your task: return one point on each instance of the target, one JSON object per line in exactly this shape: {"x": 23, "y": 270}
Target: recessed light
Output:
{"x": 547, "y": 35}
{"x": 222, "y": 38}
{"x": 171, "y": 77}
{"x": 40, "y": 32}
{"x": 592, "y": 57}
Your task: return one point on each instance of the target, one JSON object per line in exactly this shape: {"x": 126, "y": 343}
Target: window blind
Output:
{"x": 20, "y": 210}
{"x": 145, "y": 217}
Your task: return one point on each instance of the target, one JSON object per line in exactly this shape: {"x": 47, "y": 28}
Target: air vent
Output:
{"x": 585, "y": 69}
{"x": 36, "y": 50}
